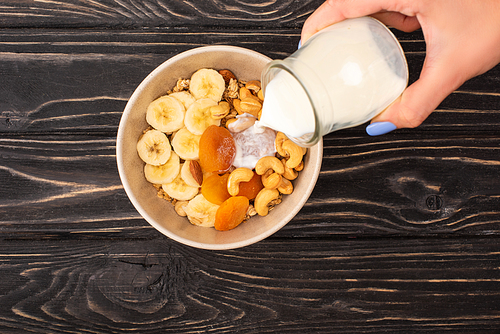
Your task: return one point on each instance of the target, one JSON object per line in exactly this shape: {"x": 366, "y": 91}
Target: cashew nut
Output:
{"x": 220, "y": 111}
{"x": 226, "y": 108}
{"x": 295, "y": 153}
{"x": 290, "y": 173}
{"x": 237, "y": 107}
{"x": 278, "y": 142}
{"x": 266, "y": 163}
{"x": 229, "y": 122}
{"x": 260, "y": 95}
{"x": 238, "y": 175}
{"x": 263, "y": 199}
{"x": 251, "y": 106}
{"x": 245, "y": 93}
{"x": 241, "y": 124}
{"x": 300, "y": 167}
{"x": 271, "y": 179}
{"x": 285, "y": 187}
{"x": 253, "y": 85}
{"x": 179, "y": 208}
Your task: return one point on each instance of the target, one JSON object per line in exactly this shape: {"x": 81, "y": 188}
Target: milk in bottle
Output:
{"x": 341, "y": 77}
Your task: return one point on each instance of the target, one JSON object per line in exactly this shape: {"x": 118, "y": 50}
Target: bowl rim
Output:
{"x": 128, "y": 189}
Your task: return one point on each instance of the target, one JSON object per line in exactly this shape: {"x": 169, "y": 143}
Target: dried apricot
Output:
{"x": 214, "y": 188}
{"x": 231, "y": 213}
{"x": 217, "y": 149}
{"x": 251, "y": 188}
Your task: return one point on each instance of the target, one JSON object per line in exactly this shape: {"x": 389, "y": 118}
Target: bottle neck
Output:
{"x": 290, "y": 85}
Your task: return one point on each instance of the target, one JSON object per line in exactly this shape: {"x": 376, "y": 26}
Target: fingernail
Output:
{"x": 380, "y": 128}
{"x": 300, "y": 44}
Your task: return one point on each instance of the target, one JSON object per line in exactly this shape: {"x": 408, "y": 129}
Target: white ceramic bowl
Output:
{"x": 246, "y": 65}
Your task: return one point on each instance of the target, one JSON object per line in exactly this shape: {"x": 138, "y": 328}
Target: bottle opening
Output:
{"x": 287, "y": 105}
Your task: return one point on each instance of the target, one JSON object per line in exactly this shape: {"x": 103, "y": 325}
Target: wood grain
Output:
{"x": 400, "y": 234}
{"x": 350, "y": 286}
{"x": 155, "y": 13}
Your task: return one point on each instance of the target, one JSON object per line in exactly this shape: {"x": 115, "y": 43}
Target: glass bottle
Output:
{"x": 343, "y": 76}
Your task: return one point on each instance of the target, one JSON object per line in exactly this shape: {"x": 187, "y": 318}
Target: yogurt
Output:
{"x": 252, "y": 143}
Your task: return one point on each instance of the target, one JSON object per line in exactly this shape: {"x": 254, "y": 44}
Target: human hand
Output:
{"x": 462, "y": 40}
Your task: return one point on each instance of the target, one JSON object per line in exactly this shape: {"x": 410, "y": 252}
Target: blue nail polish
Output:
{"x": 380, "y": 128}
{"x": 300, "y": 44}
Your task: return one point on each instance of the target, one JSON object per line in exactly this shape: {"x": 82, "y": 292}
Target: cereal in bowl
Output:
{"x": 203, "y": 153}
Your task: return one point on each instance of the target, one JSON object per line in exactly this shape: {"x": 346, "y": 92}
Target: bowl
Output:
{"x": 246, "y": 65}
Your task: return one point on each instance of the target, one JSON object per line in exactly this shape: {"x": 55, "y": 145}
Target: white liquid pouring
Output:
{"x": 360, "y": 70}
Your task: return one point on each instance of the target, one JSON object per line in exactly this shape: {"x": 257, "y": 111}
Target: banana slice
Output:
{"x": 186, "y": 144}
{"x": 198, "y": 117}
{"x": 184, "y": 97}
{"x": 179, "y": 190}
{"x": 154, "y": 147}
{"x": 165, "y": 173}
{"x": 201, "y": 212}
{"x": 207, "y": 83}
{"x": 166, "y": 114}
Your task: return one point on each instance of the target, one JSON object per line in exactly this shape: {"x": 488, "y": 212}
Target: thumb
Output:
{"x": 419, "y": 100}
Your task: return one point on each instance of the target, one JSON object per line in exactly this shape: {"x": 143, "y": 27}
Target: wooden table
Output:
{"x": 401, "y": 233}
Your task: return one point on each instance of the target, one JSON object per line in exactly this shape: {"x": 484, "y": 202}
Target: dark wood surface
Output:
{"x": 400, "y": 235}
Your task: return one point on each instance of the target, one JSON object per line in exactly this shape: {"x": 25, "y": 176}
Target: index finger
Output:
{"x": 334, "y": 11}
